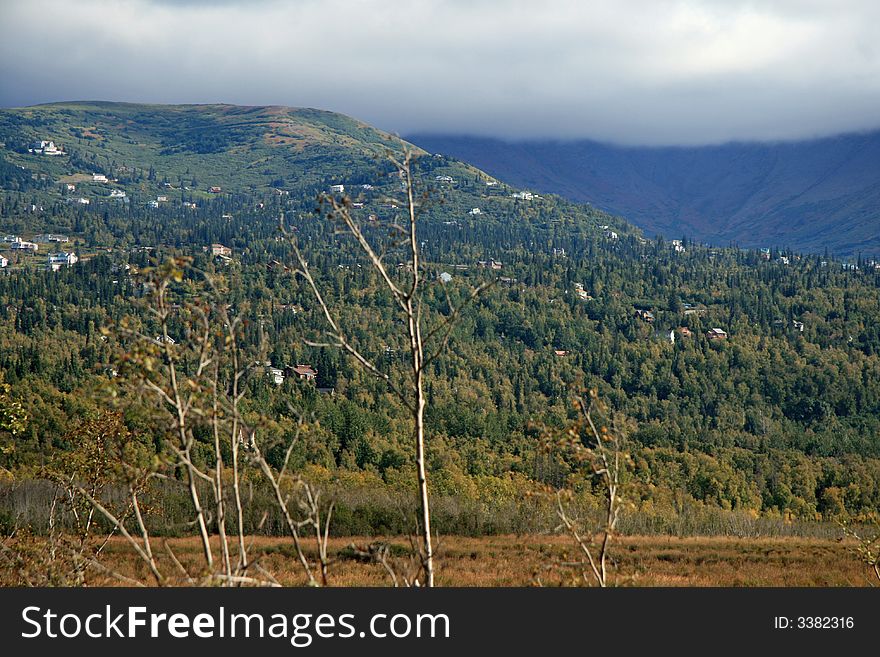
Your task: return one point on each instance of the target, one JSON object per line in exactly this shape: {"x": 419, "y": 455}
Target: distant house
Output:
{"x": 45, "y": 148}
{"x": 25, "y": 246}
{"x": 367, "y": 186}
{"x": 444, "y": 179}
{"x": 337, "y": 189}
{"x": 11, "y": 238}
{"x": 798, "y": 326}
{"x": 304, "y": 372}
{"x": 610, "y": 234}
{"x": 70, "y": 187}
{"x": 153, "y": 204}
{"x": 191, "y": 205}
{"x": 495, "y": 265}
{"x": 83, "y": 201}
{"x": 475, "y": 211}
{"x": 685, "y": 332}
{"x": 215, "y": 190}
{"x": 783, "y": 260}
{"x": 99, "y": 177}
{"x": 48, "y": 238}
{"x": 560, "y": 352}
{"x": 220, "y": 250}
{"x": 117, "y": 193}
{"x": 64, "y": 259}
{"x": 645, "y": 315}
{"x": 445, "y": 277}
{"x": 716, "y": 334}
{"x": 558, "y": 253}
{"x": 524, "y": 196}
{"x": 162, "y": 199}
{"x": 276, "y": 374}
{"x": 764, "y": 254}
{"x": 3, "y": 262}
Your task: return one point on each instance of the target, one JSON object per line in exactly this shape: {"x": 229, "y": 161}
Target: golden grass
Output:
{"x": 530, "y": 560}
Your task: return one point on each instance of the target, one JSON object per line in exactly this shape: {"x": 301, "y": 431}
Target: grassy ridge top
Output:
{"x": 236, "y": 147}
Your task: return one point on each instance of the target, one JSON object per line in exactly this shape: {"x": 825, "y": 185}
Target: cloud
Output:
{"x": 629, "y": 71}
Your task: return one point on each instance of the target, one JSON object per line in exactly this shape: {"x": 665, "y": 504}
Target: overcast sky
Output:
{"x": 628, "y": 71}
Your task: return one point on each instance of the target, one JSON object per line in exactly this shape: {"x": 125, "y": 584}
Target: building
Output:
{"x": 337, "y": 189}
{"x": 70, "y": 187}
{"x": 220, "y": 250}
{"x": 445, "y": 276}
{"x": 215, "y": 190}
{"x": 444, "y": 179}
{"x": 99, "y": 177}
{"x": 162, "y": 199}
{"x": 798, "y": 326}
{"x": 83, "y": 201}
{"x": 475, "y": 211}
{"x": 3, "y": 262}
{"x": 45, "y": 148}
{"x": 560, "y": 352}
{"x": 685, "y": 332}
{"x": 9, "y": 239}
{"x": 117, "y": 193}
{"x": 153, "y": 204}
{"x": 276, "y": 374}
{"x": 25, "y": 246}
{"x": 62, "y": 259}
{"x": 49, "y": 238}
{"x": 716, "y": 334}
{"x": 645, "y": 315}
{"x": 304, "y": 372}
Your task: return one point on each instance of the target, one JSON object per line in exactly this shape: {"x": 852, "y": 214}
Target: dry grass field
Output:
{"x": 547, "y": 560}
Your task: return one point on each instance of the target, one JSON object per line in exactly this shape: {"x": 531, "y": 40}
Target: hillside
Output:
{"x": 237, "y": 148}
{"x": 809, "y": 196}
{"x": 747, "y": 382}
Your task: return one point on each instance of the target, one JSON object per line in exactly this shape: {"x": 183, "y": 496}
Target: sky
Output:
{"x": 645, "y": 72}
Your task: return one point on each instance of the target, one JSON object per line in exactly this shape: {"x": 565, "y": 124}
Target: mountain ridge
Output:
{"x": 806, "y": 195}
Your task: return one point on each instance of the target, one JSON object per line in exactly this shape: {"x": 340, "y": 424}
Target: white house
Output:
{"x": 11, "y": 238}
{"x": 99, "y": 177}
{"x": 63, "y": 259}
{"x": 525, "y": 196}
{"x": 276, "y": 374}
{"x": 83, "y": 201}
{"x": 25, "y": 246}
{"x": 153, "y": 204}
{"x": 337, "y": 189}
{"x": 3, "y": 262}
{"x": 70, "y": 187}
{"x": 444, "y": 179}
{"x": 117, "y": 193}
{"x": 475, "y": 211}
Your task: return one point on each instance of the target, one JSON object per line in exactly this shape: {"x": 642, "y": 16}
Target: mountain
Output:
{"x": 807, "y": 195}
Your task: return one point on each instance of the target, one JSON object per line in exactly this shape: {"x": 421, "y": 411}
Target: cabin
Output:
{"x": 475, "y": 211}
{"x": 645, "y": 315}
{"x": 560, "y": 352}
{"x": 3, "y": 262}
{"x": 99, "y": 177}
{"x": 220, "y": 250}
{"x": 716, "y": 334}
{"x": 215, "y": 190}
{"x": 337, "y": 189}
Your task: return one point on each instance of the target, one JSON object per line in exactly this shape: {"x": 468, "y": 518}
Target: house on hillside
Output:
{"x": 560, "y": 352}
{"x": 716, "y": 334}
{"x": 303, "y": 372}
{"x": 645, "y": 315}
{"x": 99, "y": 178}
{"x": 685, "y": 332}
{"x": 25, "y": 246}
{"x": 337, "y": 189}
{"x": 117, "y": 193}
{"x": 220, "y": 250}
{"x": 3, "y": 262}
{"x": 63, "y": 259}
{"x": 215, "y": 190}
{"x": 275, "y": 374}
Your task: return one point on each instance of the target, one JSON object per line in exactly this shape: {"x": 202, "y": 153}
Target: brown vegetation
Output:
{"x": 541, "y": 560}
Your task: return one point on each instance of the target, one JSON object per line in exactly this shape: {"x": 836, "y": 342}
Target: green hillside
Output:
{"x": 780, "y": 419}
